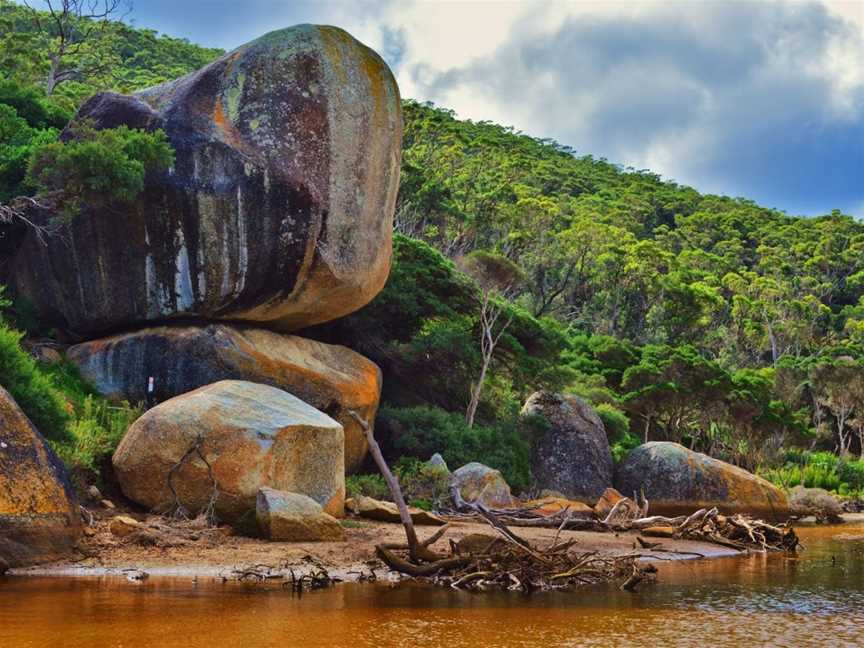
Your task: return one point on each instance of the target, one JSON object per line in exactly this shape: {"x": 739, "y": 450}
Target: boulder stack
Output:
{"x": 331, "y": 378}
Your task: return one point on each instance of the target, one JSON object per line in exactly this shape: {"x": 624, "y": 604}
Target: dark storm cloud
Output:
{"x": 732, "y": 97}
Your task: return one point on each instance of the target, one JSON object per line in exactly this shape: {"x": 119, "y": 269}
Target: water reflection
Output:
{"x": 816, "y": 598}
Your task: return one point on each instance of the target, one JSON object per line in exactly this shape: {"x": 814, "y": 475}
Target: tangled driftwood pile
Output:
{"x": 508, "y": 561}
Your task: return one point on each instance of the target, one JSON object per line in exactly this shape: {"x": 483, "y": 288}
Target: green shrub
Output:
{"x": 98, "y": 166}
{"x": 422, "y": 431}
{"x": 32, "y": 388}
{"x": 368, "y": 485}
{"x": 819, "y": 470}
{"x": 423, "y": 485}
{"x": 95, "y": 432}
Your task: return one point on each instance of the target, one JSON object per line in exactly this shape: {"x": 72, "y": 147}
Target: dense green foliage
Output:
{"x": 819, "y": 470}
{"x": 735, "y": 329}
{"x": 97, "y": 166}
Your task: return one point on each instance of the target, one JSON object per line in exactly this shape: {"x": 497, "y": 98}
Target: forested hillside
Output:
{"x": 519, "y": 264}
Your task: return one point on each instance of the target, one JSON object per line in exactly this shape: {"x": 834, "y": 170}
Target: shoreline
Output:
{"x": 351, "y": 561}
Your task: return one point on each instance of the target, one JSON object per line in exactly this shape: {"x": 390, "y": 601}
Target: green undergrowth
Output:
{"x": 82, "y": 427}
{"x": 843, "y": 476}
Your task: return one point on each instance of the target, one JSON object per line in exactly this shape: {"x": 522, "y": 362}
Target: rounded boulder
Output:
{"x": 278, "y": 208}
{"x": 679, "y": 481}
{"x": 226, "y": 441}
{"x": 39, "y": 516}
{"x": 569, "y": 451}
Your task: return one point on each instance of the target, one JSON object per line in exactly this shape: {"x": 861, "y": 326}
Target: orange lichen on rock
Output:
{"x": 39, "y": 519}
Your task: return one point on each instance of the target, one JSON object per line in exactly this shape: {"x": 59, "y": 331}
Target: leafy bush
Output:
{"x": 32, "y": 388}
{"x": 423, "y": 485}
{"x": 819, "y": 470}
{"x": 368, "y": 485}
{"x": 98, "y": 166}
{"x": 95, "y": 432}
{"x": 421, "y": 431}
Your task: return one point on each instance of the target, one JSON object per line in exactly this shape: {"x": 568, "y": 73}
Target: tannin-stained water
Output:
{"x": 813, "y": 599}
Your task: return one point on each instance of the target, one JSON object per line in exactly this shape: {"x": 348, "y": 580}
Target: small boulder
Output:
{"x": 373, "y": 509}
{"x": 292, "y": 517}
{"x": 437, "y": 462}
{"x": 678, "y": 481}
{"x": 123, "y": 525}
{"x": 247, "y": 436}
{"x": 39, "y": 516}
{"x": 479, "y": 483}
{"x": 817, "y": 502}
{"x": 570, "y": 452}
{"x": 331, "y": 378}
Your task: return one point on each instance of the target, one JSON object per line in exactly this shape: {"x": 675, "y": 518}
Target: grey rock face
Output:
{"x": 572, "y": 454}
{"x": 278, "y": 208}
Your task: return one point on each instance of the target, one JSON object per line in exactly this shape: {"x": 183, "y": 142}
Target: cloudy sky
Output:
{"x": 763, "y": 99}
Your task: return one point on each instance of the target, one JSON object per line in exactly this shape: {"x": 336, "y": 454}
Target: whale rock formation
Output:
{"x": 278, "y": 208}
{"x": 226, "y": 441}
{"x": 329, "y": 377}
{"x": 39, "y": 517}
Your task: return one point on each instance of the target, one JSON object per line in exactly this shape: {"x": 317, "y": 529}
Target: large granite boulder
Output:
{"x": 678, "y": 481}
{"x": 39, "y": 517}
{"x": 247, "y": 436}
{"x": 278, "y": 208}
{"x": 570, "y": 454}
{"x": 292, "y": 517}
{"x": 480, "y": 483}
{"x": 331, "y": 378}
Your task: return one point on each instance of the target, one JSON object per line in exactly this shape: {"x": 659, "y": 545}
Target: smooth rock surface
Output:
{"x": 374, "y": 509}
{"x": 251, "y": 435}
{"x": 278, "y": 208}
{"x": 479, "y": 483}
{"x": 292, "y": 517}
{"x": 572, "y": 455}
{"x": 678, "y": 481}
{"x": 329, "y": 377}
{"x": 39, "y": 517}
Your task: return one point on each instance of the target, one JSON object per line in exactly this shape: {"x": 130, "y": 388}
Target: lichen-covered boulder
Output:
{"x": 678, "y": 481}
{"x": 238, "y": 437}
{"x": 329, "y": 377}
{"x": 39, "y": 516}
{"x": 278, "y": 208}
{"x": 479, "y": 483}
{"x": 292, "y": 517}
{"x": 569, "y": 452}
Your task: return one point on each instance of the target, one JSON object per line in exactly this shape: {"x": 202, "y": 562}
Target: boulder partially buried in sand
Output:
{"x": 678, "y": 481}
{"x": 329, "y": 377}
{"x": 278, "y": 209}
{"x": 231, "y": 439}
{"x": 39, "y": 517}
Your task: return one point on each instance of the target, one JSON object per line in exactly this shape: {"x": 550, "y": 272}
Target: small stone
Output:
{"x": 608, "y": 500}
{"x": 94, "y": 493}
{"x": 479, "y": 483}
{"x": 293, "y": 517}
{"x": 108, "y": 504}
{"x": 123, "y": 525}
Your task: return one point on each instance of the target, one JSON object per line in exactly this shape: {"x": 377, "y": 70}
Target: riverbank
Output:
{"x": 217, "y": 555}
